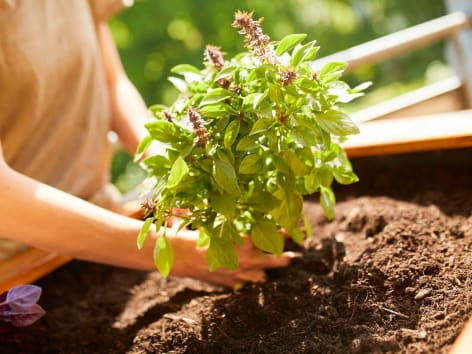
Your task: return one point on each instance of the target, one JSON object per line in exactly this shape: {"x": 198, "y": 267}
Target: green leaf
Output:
{"x": 327, "y": 201}
{"x": 288, "y": 42}
{"x": 163, "y": 256}
{"x": 262, "y": 125}
{"x": 225, "y": 177}
{"x": 203, "y": 238}
{"x": 179, "y": 84}
{"x": 227, "y": 71}
{"x": 221, "y": 252}
{"x": 218, "y": 109}
{"x": 250, "y": 164}
{"x": 263, "y": 202}
{"x": 344, "y": 175}
{"x": 332, "y": 71}
{"x": 300, "y": 52}
{"x": 275, "y": 93}
{"x": 157, "y": 110}
{"x": 224, "y": 204}
{"x": 185, "y": 69}
{"x": 265, "y": 236}
{"x": 337, "y": 123}
{"x": 304, "y": 136}
{"x": 178, "y": 171}
{"x": 288, "y": 212}
{"x": 142, "y": 147}
{"x": 214, "y": 96}
{"x": 165, "y": 131}
{"x": 248, "y": 143}
{"x": 362, "y": 87}
{"x": 307, "y": 85}
{"x": 157, "y": 165}
{"x": 253, "y": 100}
{"x": 231, "y": 133}
{"x": 297, "y": 236}
{"x": 143, "y": 233}
{"x": 307, "y": 225}
{"x": 295, "y": 162}
{"x": 310, "y": 54}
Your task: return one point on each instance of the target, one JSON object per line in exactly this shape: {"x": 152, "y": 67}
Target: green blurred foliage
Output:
{"x": 153, "y": 36}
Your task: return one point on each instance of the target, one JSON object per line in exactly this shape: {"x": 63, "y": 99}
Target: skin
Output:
{"x": 47, "y": 218}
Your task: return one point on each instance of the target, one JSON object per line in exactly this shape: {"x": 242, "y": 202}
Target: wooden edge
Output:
{"x": 408, "y": 147}
{"x": 32, "y": 264}
{"x": 463, "y": 343}
{"x": 28, "y": 266}
{"x": 420, "y": 133}
{"x": 399, "y": 42}
{"x": 449, "y": 88}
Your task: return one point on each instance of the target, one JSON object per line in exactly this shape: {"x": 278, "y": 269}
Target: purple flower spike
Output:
{"x": 18, "y": 307}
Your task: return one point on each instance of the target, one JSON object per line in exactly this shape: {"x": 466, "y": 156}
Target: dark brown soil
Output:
{"x": 391, "y": 273}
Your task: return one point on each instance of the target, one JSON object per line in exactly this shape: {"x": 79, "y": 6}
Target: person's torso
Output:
{"x": 54, "y": 108}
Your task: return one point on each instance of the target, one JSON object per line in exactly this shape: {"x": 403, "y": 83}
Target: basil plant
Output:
{"x": 246, "y": 139}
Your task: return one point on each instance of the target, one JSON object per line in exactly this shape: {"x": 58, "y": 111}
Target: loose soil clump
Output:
{"x": 391, "y": 273}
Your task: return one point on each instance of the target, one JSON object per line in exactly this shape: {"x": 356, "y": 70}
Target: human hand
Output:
{"x": 190, "y": 261}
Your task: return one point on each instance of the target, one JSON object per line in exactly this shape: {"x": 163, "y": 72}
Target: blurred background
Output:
{"x": 155, "y": 35}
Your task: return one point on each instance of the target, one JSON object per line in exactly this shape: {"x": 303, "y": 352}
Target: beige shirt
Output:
{"x": 54, "y": 107}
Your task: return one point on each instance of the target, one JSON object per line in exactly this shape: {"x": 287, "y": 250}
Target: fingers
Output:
{"x": 255, "y": 275}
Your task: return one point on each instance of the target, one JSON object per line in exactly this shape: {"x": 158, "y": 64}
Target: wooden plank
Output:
{"x": 440, "y": 97}
{"x": 28, "y": 266}
{"x": 399, "y": 42}
{"x": 463, "y": 344}
{"x": 421, "y": 133}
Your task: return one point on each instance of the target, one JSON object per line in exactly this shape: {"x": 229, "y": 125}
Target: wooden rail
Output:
{"x": 399, "y": 42}
{"x": 28, "y": 266}
{"x": 421, "y": 133}
{"x": 440, "y": 97}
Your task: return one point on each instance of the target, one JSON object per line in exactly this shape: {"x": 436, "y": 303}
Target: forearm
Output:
{"x": 129, "y": 111}
{"x": 44, "y": 217}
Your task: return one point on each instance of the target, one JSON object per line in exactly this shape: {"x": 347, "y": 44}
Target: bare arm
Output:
{"x": 129, "y": 111}
{"x": 47, "y": 218}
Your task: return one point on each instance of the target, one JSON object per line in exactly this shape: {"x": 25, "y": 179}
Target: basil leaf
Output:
{"x": 337, "y": 123}
{"x": 142, "y": 147}
{"x": 332, "y": 71}
{"x": 163, "y": 256}
{"x": 225, "y": 177}
{"x": 166, "y": 132}
{"x": 231, "y": 133}
{"x": 288, "y": 212}
{"x": 251, "y": 164}
{"x": 262, "y": 125}
{"x": 214, "y": 96}
{"x": 327, "y": 201}
{"x": 221, "y": 252}
{"x": 263, "y": 202}
{"x": 143, "y": 233}
{"x": 179, "y": 84}
{"x": 224, "y": 204}
{"x": 265, "y": 236}
{"x": 185, "y": 69}
{"x": 178, "y": 171}
{"x": 288, "y": 42}
{"x": 157, "y": 165}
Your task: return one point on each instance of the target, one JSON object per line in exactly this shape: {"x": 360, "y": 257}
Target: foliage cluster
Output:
{"x": 246, "y": 139}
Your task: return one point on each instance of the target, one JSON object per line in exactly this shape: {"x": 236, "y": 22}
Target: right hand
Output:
{"x": 190, "y": 261}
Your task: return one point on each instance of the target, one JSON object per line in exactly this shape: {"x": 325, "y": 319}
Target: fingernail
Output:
{"x": 291, "y": 254}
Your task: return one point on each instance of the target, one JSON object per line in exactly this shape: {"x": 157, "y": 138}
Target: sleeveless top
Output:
{"x": 54, "y": 106}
